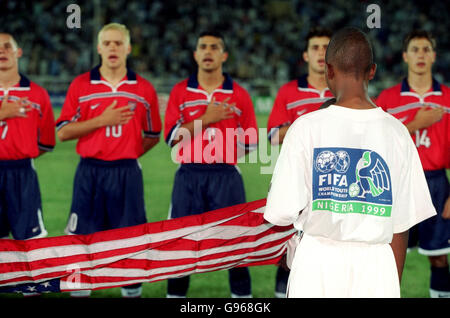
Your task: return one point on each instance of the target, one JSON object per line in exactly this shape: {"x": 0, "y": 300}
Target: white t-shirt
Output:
{"x": 354, "y": 175}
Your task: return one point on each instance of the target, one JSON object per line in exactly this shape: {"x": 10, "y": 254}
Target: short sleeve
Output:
{"x": 279, "y": 116}
{"x": 70, "y": 111}
{"x": 412, "y": 200}
{"x": 152, "y": 122}
{"x": 382, "y": 100}
{"x": 173, "y": 118}
{"x": 46, "y": 140}
{"x": 247, "y": 121}
{"x": 288, "y": 190}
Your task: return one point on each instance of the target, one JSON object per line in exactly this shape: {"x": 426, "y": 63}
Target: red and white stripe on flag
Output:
{"x": 235, "y": 236}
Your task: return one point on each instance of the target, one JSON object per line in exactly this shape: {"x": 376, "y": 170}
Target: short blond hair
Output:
{"x": 115, "y": 26}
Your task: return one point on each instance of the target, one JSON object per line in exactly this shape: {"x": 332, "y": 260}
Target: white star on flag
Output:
{"x": 31, "y": 288}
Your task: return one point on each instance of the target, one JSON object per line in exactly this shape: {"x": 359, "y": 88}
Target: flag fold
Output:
{"x": 235, "y": 236}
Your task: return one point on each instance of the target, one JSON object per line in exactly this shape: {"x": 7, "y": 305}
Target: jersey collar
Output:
{"x": 95, "y": 76}
{"x": 227, "y": 84}
{"x": 23, "y": 85}
{"x": 303, "y": 85}
{"x": 435, "y": 87}
{"x": 302, "y": 81}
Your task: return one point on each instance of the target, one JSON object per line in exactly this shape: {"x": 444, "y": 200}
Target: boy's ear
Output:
{"x": 372, "y": 71}
{"x": 329, "y": 70}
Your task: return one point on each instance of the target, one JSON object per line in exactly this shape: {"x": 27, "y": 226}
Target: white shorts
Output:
{"x": 328, "y": 268}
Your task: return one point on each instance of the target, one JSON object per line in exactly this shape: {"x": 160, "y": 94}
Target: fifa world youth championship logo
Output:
{"x": 348, "y": 180}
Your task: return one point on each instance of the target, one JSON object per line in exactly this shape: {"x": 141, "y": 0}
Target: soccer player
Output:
{"x": 212, "y": 120}
{"x": 305, "y": 94}
{"x": 349, "y": 177}
{"x": 27, "y": 130}
{"x": 296, "y": 98}
{"x": 114, "y": 114}
{"x": 423, "y": 105}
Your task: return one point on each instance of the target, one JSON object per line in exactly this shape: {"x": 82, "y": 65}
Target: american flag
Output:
{"x": 235, "y": 236}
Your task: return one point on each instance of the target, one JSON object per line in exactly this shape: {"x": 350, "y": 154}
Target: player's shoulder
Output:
{"x": 36, "y": 91}
{"x": 445, "y": 90}
{"x": 181, "y": 85}
{"x": 82, "y": 79}
{"x": 36, "y": 88}
{"x": 238, "y": 88}
{"x": 291, "y": 85}
{"x": 144, "y": 83}
{"x": 394, "y": 90}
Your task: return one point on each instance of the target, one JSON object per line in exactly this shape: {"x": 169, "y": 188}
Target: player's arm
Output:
{"x": 278, "y": 121}
{"x": 446, "y": 212}
{"x": 248, "y": 139}
{"x": 46, "y": 126}
{"x": 111, "y": 116}
{"x": 149, "y": 143}
{"x": 151, "y": 121}
{"x": 214, "y": 113}
{"x": 424, "y": 118}
{"x": 399, "y": 244}
{"x": 281, "y": 134}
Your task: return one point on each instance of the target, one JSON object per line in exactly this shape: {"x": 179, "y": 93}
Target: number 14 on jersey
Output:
{"x": 422, "y": 139}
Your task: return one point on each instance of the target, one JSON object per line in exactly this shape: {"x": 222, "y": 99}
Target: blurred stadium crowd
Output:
{"x": 264, "y": 38}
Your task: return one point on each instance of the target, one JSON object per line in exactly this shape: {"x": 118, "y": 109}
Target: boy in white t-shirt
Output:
{"x": 350, "y": 179}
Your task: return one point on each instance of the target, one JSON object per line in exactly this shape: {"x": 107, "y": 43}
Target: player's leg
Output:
{"x": 434, "y": 236}
{"x": 226, "y": 188}
{"x": 4, "y": 223}
{"x": 23, "y": 201}
{"x": 281, "y": 281}
{"x": 187, "y": 199}
{"x": 87, "y": 208}
{"x": 86, "y": 213}
{"x": 125, "y": 206}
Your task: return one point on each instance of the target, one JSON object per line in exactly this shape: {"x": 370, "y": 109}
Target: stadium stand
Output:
{"x": 263, "y": 36}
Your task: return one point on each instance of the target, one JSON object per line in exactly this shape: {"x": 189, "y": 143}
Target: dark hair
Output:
{"x": 350, "y": 51}
{"x": 316, "y": 32}
{"x": 214, "y": 33}
{"x": 414, "y": 34}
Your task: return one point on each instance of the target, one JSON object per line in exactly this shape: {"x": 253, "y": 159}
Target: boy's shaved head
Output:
{"x": 350, "y": 52}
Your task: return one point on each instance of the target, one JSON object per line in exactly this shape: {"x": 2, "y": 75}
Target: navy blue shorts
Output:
{"x": 200, "y": 188}
{"x": 106, "y": 195}
{"x": 433, "y": 234}
{"x": 20, "y": 200}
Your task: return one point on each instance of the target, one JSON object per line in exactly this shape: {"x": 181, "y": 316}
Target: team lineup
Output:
{"x": 361, "y": 179}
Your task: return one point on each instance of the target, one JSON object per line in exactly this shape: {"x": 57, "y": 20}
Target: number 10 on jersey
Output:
{"x": 114, "y": 131}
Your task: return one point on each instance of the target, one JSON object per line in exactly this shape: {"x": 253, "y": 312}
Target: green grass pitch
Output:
{"x": 56, "y": 171}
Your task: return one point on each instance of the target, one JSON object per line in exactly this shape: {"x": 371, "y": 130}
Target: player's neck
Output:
{"x": 113, "y": 75}
{"x": 354, "y": 95}
{"x": 9, "y": 78}
{"x": 420, "y": 83}
{"x": 209, "y": 81}
{"x": 317, "y": 80}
